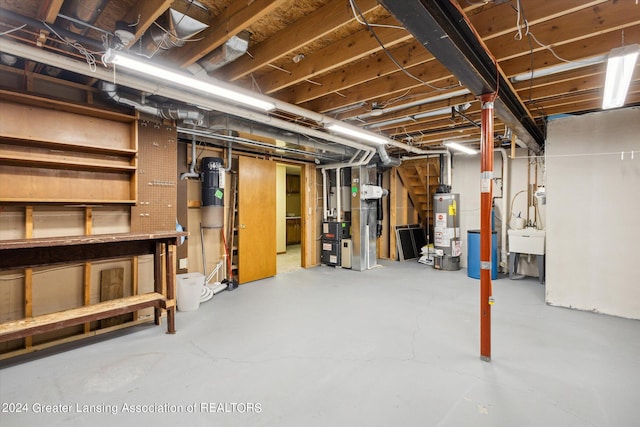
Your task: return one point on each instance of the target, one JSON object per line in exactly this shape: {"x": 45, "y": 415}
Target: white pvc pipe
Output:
{"x": 338, "y": 195}
{"x": 324, "y": 195}
{"x": 504, "y": 219}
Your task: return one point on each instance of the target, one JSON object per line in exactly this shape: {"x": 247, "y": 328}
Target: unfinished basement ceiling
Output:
{"x": 354, "y": 61}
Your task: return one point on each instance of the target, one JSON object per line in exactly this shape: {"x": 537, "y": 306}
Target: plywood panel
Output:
{"x": 55, "y": 185}
{"x": 112, "y": 287}
{"x": 41, "y": 124}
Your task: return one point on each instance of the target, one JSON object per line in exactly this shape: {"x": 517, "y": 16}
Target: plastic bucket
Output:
{"x": 473, "y": 254}
{"x": 189, "y": 290}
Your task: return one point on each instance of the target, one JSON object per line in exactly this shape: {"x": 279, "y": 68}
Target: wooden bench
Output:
{"x": 27, "y": 253}
{"x": 53, "y": 321}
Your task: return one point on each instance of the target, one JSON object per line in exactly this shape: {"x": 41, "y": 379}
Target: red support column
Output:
{"x": 486, "y": 187}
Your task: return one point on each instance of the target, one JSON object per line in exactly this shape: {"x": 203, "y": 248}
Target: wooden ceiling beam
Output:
{"x": 567, "y": 29}
{"x": 308, "y": 29}
{"x": 358, "y": 46}
{"x": 238, "y": 16}
{"x": 587, "y": 105}
{"x": 144, "y": 14}
{"x": 376, "y": 66}
{"x": 451, "y": 102}
{"x": 391, "y": 85}
{"x": 564, "y": 88}
{"x": 567, "y": 99}
{"x": 49, "y": 10}
{"x": 575, "y": 51}
{"x": 498, "y": 20}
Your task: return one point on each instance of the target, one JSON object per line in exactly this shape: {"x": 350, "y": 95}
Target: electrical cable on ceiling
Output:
{"x": 518, "y": 36}
{"x": 527, "y": 32}
{"x": 279, "y": 68}
{"x": 89, "y": 57}
{"x": 254, "y": 83}
{"x": 12, "y": 30}
{"x": 386, "y": 51}
{"x": 366, "y": 24}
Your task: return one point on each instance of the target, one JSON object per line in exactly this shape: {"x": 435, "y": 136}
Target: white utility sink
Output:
{"x": 527, "y": 241}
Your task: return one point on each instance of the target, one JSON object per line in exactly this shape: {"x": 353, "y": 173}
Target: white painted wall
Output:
{"x": 593, "y": 200}
{"x": 466, "y": 182}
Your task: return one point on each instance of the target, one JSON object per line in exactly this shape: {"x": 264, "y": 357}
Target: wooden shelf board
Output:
{"x": 37, "y": 162}
{"x": 36, "y": 101}
{"x": 69, "y": 147}
{"x": 74, "y": 202}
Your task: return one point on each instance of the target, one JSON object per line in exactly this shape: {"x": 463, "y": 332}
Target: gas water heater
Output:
{"x": 446, "y": 231}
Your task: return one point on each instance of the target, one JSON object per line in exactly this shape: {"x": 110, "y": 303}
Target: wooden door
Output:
{"x": 256, "y": 219}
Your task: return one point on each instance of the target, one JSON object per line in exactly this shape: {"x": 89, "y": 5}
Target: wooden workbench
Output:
{"x": 27, "y": 253}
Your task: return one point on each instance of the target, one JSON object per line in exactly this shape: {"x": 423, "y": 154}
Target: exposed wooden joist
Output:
{"x": 49, "y": 10}
{"x": 501, "y": 19}
{"x": 389, "y": 86}
{"x": 236, "y": 17}
{"x": 598, "y": 45}
{"x": 377, "y": 65}
{"x": 565, "y": 29}
{"x": 353, "y": 48}
{"x": 312, "y": 27}
{"x": 145, "y": 13}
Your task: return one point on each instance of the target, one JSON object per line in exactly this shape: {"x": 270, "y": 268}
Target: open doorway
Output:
{"x": 288, "y": 218}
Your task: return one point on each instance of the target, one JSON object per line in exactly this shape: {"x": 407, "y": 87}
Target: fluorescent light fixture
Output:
{"x": 620, "y": 66}
{"x": 433, "y": 113}
{"x": 389, "y": 122}
{"x": 460, "y": 147}
{"x": 346, "y": 108}
{"x": 367, "y": 136}
{"x": 145, "y": 67}
{"x": 399, "y": 107}
{"x": 565, "y": 66}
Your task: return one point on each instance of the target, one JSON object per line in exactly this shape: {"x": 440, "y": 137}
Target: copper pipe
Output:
{"x": 486, "y": 195}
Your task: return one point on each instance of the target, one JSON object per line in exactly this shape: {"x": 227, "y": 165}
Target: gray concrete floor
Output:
{"x": 394, "y": 346}
{"x": 289, "y": 260}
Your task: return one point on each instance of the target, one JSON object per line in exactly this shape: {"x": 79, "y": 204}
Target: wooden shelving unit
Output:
{"x": 71, "y": 154}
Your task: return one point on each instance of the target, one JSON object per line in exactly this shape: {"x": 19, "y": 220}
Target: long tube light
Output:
{"x": 145, "y": 67}
{"x": 461, "y": 148}
{"x": 366, "y": 136}
{"x": 433, "y": 113}
{"x": 620, "y": 66}
{"x": 554, "y": 69}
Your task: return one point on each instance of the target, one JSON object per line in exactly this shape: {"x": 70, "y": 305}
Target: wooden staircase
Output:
{"x": 421, "y": 178}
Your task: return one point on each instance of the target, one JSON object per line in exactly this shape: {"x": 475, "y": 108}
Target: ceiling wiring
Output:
{"x": 355, "y": 15}
{"x": 357, "y": 11}
{"x": 521, "y": 21}
{"x": 89, "y": 56}
{"x": 521, "y": 15}
{"x": 12, "y": 30}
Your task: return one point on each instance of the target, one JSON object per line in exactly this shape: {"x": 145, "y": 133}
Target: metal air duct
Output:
{"x": 231, "y": 50}
{"x": 167, "y": 111}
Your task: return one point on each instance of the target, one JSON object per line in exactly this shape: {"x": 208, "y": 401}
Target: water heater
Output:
{"x": 446, "y": 231}
{"x": 212, "y": 208}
